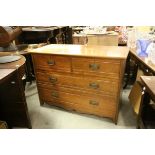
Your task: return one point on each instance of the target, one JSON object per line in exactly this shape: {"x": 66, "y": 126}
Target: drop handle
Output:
{"x": 51, "y": 62}
{"x": 53, "y": 79}
{"x": 93, "y": 102}
{"x": 94, "y": 85}
{"x": 55, "y": 94}
{"x": 94, "y": 66}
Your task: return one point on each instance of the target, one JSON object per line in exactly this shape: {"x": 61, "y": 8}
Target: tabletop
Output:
{"x": 40, "y": 28}
{"x": 149, "y": 83}
{"x": 84, "y": 50}
{"x": 5, "y": 72}
{"x": 144, "y": 60}
{"x": 12, "y": 65}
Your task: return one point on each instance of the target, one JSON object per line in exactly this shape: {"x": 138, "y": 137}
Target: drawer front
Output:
{"x": 98, "y": 67}
{"x": 82, "y": 102}
{"x": 94, "y": 84}
{"x": 52, "y": 62}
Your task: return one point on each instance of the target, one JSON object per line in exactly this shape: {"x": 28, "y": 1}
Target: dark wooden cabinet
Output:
{"x": 13, "y": 106}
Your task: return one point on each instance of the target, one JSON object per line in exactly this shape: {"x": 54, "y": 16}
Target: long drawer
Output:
{"x": 82, "y": 102}
{"x": 99, "y": 67}
{"x": 52, "y": 62}
{"x": 95, "y": 84}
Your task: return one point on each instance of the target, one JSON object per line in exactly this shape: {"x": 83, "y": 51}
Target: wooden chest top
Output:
{"x": 115, "y": 52}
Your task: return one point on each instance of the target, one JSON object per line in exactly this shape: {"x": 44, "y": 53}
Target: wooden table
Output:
{"x": 144, "y": 74}
{"x": 41, "y": 34}
{"x": 143, "y": 62}
{"x": 13, "y": 106}
{"x": 35, "y": 35}
{"x": 138, "y": 62}
{"x": 24, "y": 49}
{"x": 146, "y": 116}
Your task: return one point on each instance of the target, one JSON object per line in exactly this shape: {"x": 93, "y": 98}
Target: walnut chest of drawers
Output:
{"x": 87, "y": 79}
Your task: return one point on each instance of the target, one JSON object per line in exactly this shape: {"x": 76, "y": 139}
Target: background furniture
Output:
{"x": 8, "y": 34}
{"x": 103, "y": 39}
{"x": 13, "y": 107}
{"x": 146, "y": 116}
{"x": 109, "y": 39}
{"x": 40, "y": 34}
{"x": 80, "y": 39}
{"x": 23, "y": 49}
{"x": 141, "y": 67}
{"x": 138, "y": 63}
{"x": 87, "y": 79}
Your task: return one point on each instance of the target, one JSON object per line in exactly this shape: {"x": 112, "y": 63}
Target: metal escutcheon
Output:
{"x": 55, "y": 94}
{"x": 93, "y": 102}
{"x": 94, "y": 66}
{"x": 51, "y": 62}
{"x": 94, "y": 85}
{"x": 52, "y": 79}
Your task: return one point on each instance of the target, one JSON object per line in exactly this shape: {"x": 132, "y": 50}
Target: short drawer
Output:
{"x": 99, "y": 67}
{"x": 52, "y": 62}
{"x": 82, "y": 102}
{"x": 95, "y": 84}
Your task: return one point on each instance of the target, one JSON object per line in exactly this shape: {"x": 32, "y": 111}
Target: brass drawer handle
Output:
{"x": 93, "y": 102}
{"x": 94, "y": 85}
{"x": 53, "y": 79}
{"x": 55, "y": 94}
{"x": 51, "y": 62}
{"x": 94, "y": 66}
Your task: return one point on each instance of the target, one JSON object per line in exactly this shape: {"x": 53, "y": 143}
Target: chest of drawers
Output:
{"x": 87, "y": 79}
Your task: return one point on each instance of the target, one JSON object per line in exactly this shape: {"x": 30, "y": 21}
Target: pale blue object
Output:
{"x": 142, "y": 45}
